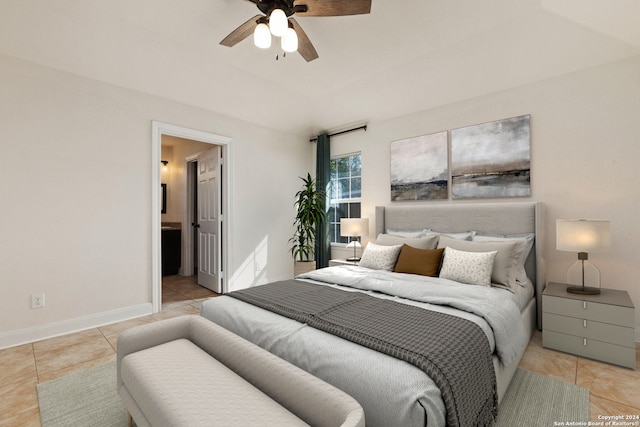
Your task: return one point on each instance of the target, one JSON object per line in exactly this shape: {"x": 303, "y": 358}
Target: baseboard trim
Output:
{"x": 50, "y": 330}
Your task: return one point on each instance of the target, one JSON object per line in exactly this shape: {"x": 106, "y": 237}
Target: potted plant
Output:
{"x": 310, "y": 212}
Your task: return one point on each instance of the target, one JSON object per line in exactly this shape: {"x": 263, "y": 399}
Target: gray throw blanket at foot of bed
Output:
{"x": 454, "y": 352}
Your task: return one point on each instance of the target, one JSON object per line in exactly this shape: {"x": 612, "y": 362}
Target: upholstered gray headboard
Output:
{"x": 495, "y": 218}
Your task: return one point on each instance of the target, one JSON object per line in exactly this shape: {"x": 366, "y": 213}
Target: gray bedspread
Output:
{"x": 391, "y": 391}
{"x": 493, "y": 305}
{"x": 453, "y": 351}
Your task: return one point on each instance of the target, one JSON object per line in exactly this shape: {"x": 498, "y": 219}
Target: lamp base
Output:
{"x": 353, "y": 259}
{"x": 583, "y": 290}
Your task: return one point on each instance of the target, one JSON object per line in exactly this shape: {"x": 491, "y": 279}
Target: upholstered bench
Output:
{"x": 188, "y": 371}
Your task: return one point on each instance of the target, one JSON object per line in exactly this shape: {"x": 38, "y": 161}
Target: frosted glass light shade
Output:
{"x": 278, "y": 22}
{"x": 262, "y": 36}
{"x": 289, "y": 41}
{"x": 583, "y": 235}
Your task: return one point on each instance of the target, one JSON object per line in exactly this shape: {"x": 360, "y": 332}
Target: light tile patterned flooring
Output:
{"x": 23, "y": 367}
{"x": 613, "y": 390}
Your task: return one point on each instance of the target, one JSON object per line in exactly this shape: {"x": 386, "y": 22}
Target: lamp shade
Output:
{"x": 262, "y": 36}
{"x": 354, "y": 226}
{"x": 278, "y": 22}
{"x": 289, "y": 41}
{"x": 581, "y": 235}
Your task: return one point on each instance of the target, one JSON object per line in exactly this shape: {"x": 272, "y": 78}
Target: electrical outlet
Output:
{"x": 37, "y": 300}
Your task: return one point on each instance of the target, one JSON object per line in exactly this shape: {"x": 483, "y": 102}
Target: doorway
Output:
{"x": 223, "y": 147}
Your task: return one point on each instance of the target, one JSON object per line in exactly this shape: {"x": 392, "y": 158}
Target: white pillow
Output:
{"x": 379, "y": 257}
{"x": 428, "y": 242}
{"x": 521, "y": 251}
{"x": 465, "y": 235}
{"x": 504, "y": 266}
{"x": 473, "y": 268}
{"x": 409, "y": 233}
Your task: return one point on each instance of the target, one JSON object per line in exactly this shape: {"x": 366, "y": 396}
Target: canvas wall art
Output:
{"x": 491, "y": 159}
{"x": 419, "y": 168}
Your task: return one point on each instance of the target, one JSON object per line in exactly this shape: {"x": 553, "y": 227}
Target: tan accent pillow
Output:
{"x": 425, "y": 262}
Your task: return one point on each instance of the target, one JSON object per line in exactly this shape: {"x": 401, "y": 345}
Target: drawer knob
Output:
{"x": 584, "y": 323}
{"x": 584, "y": 305}
{"x": 584, "y": 342}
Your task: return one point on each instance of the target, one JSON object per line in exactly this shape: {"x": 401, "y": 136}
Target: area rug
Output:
{"x": 536, "y": 400}
{"x": 89, "y": 398}
{"x": 82, "y": 399}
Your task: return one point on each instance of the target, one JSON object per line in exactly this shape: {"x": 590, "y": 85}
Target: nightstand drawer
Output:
{"x": 589, "y": 310}
{"x": 591, "y": 329}
{"x": 593, "y": 349}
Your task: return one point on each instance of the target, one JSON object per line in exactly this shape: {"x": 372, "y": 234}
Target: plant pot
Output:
{"x": 301, "y": 267}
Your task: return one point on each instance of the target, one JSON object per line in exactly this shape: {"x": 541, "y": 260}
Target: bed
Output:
{"x": 392, "y": 391}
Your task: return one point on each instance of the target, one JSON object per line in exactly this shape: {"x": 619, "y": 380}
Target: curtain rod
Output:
{"x": 363, "y": 127}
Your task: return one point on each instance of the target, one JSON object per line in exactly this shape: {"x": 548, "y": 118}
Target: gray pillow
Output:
{"x": 427, "y": 242}
{"x": 521, "y": 252}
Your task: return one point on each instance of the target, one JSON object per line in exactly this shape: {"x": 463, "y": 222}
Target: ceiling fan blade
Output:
{"x": 332, "y": 7}
{"x": 305, "y": 48}
{"x": 242, "y": 32}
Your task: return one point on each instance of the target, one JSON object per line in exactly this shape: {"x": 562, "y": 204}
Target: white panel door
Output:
{"x": 209, "y": 220}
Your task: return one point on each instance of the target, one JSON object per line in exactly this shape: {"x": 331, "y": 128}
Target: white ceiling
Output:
{"x": 406, "y": 56}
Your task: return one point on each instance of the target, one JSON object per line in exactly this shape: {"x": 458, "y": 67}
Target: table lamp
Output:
{"x": 583, "y": 236}
{"x": 354, "y": 227}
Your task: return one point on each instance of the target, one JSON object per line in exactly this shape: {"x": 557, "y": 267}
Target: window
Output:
{"x": 345, "y": 192}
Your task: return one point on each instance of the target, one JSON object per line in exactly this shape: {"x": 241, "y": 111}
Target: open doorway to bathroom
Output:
{"x": 188, "y": 234}
{"x": 189, "y": 227}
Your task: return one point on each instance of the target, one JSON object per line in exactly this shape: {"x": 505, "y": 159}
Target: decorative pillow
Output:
{"x": 425, "y": 262}
{"x": 409, "y": 233}
{"x": 428, "y": 242}
{"x": 465, "y": 235}
{"x": 505, "y": 264}
{"x": 380, "y": 257}
{"x": 521, "y": 252}
{"x": 473, "y": 268}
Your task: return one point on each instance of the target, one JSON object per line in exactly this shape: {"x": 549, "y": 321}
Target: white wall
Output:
{"x": 76, "y": 179}
{"x": 75, "y": 191}
{"x": 585, "y": 149}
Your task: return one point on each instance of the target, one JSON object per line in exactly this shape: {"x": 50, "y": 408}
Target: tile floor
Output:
{"x": 613, "y": 390}
{"x": 23, "y": 367}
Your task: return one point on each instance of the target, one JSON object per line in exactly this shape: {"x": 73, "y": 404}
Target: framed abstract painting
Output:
{"x": 419, "y": 168}
{"x": 491, "y": 160}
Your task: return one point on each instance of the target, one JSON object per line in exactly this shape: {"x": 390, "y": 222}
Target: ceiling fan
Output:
{"x": 277, "y": 19}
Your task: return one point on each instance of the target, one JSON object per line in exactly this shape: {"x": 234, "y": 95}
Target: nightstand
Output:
{"x": 334, "y": 262}
{"x": 600, "y": 327}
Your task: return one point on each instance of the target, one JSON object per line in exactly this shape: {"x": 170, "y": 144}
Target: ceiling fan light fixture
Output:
{"x": 289, "y": 41}
{"x": 278, "y": 22}
{"x": 262, "y": 36}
